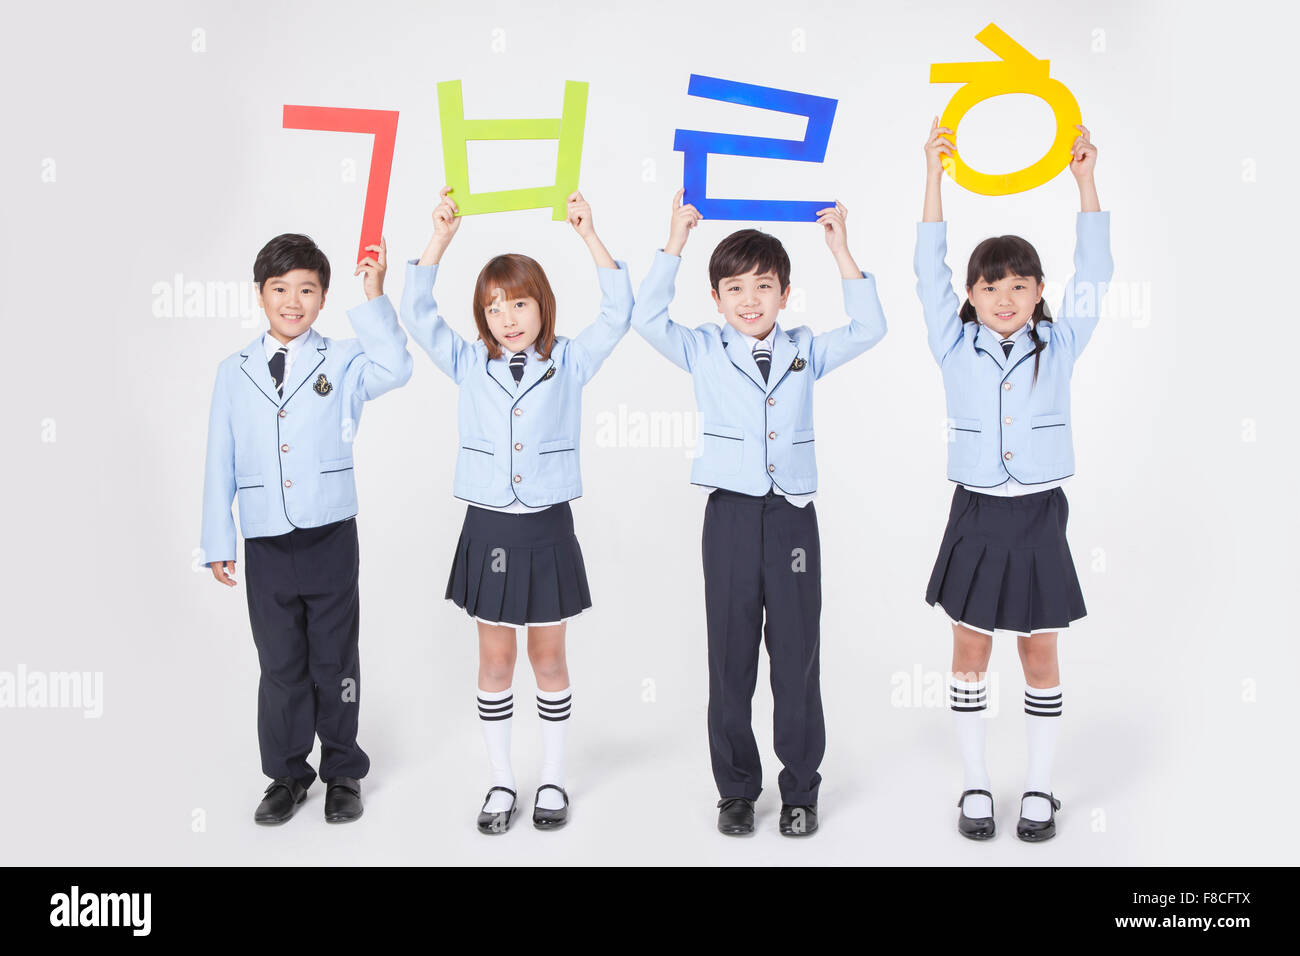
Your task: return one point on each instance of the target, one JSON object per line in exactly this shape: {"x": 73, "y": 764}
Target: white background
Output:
{"x": 1177, "y": 743}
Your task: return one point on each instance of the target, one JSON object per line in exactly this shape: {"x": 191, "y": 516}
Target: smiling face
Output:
{"x": 1007, "y": 304}
{"x": 751, "y": 302}
{"x": 515, "y": 323}
{"x": 292, "y": 302}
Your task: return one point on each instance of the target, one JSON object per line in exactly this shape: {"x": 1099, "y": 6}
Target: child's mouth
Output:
{"x": 750, "y": 316}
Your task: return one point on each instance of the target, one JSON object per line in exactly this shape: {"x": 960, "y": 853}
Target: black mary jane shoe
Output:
{"x": 280, "y": 801}
{"x": 342, "y": 800}
{"x": 1036, "y": 831}
{"x": 735, "y": 816}
{"x": 975, "y": 828}
{"x": 545, "y": 819}
{"x": 798, "y": 820}
{"x": 499, "y": 822}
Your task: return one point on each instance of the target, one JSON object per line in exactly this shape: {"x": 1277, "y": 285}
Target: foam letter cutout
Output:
{"x": 697, "y": 144}
{"x": 457, "y": 131}
{"x": 383, "y": 124}
{"x": 1017, "y": 72}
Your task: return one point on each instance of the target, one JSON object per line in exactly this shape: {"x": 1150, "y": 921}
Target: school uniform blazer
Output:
{"x": 289, "y": 459}
{"x": 518, "y": 441}
{"x": 1001, "y": 423}
{"x": 755, "y": 434}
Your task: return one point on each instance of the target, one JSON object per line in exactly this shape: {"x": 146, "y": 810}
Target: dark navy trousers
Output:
{"x": 763, "y": 554}
{"x": 304, "y": 606}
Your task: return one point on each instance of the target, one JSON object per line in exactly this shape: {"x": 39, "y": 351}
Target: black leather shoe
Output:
{"x": 735, "y": 816}
{"x": 545, "y": 819}
{"x": 798, "y": 819}
{"x": 1036, "y": 831}
{"x": 342, "y": 800}
{"x": 499, "y": 822}
{"x": 975, "y": 828}
{"x": 279, "y": 801}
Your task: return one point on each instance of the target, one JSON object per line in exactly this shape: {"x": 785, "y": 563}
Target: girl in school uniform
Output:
{"x": 518, "y": 562}
{"x": 1004, "y": 564}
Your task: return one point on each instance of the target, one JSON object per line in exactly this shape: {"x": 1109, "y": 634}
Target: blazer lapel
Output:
{"x": 784, "y": 352}
{"x": 533, "y": 372}
{"x": 987, "y": 342}
{"x": 740, "y": 355}
{"x": 258, "y": 371}
{"x": 309, "y": 358}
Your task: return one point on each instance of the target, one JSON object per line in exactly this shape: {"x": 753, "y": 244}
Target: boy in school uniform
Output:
{"x": 761, "y": 551}
{"x": 284, "y": 412}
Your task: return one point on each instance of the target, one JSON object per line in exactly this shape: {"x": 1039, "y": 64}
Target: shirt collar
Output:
{"x": 295, "y": 344}
{"x": 1014, "y": 336}
{"x": 507, "y": 355}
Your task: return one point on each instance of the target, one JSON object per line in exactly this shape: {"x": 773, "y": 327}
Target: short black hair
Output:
{"x": 749, "y": 250}
{"x": 287, "y": 252}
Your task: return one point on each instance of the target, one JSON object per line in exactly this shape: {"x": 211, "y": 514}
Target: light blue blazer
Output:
{"x": 1001, "y": 423}
{"x": 755, "y": 435}
{"x": 290, "y": 459}
{"x": 518, "y": 441}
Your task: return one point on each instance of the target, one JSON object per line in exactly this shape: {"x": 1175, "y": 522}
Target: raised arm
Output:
{"x": 677, "y": 343}
{"x": 449, "y": 351}
{"x": 383, "y": 363}
{"x": 939, "y": 304}
{"x": 866, "y": 318}
{"x": 593, "y": 344}
{"x": 1093, "y": 266}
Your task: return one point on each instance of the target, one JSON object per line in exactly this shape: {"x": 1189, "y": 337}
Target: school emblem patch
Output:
{"x": 798, "y": 365}
{"x": 550, "y": 372}
{"x": 323, "y": 386}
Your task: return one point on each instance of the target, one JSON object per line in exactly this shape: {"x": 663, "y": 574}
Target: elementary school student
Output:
{"x": 761, "y": 551}
{"x": 284, "y": 412}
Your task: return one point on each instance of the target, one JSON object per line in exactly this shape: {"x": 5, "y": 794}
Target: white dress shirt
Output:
{"x": 1012, "y": 488}
{"x": 273, "y": 345}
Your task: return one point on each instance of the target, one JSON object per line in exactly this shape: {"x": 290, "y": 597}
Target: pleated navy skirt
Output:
{"x": 1004, "y": 563}
{"x": 519, "y": 569}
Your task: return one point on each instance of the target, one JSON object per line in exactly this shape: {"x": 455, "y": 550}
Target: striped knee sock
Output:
{"x": 495, "y": 710}
{"x": 1042, "y": 719}
{"x": 553, "y": 708}
{"x": 969, "y": 702}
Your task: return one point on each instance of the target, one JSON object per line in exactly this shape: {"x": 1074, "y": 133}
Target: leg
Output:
{"x": 733, "y": 602}
{"x": 968, "y": 698}
{"x": 793, "y": 599}
{"x": 554, "y": 703}
{"x": 286, "y": 701}
{"x": 1042, "y": 717}
{"x": 496, "y": 669}
{"x": 328, "y": 563}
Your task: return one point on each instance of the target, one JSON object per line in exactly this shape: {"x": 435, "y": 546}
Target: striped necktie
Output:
{"x": 763, "y": 357}
{"x": 1007, "y": 346}
{"x": 517, "y": 362}
{"x": 277, "y": 368}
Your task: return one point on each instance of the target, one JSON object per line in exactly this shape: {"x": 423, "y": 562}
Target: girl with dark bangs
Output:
{"x": 518, "y": 563}
{"x": 1004, "y": 564}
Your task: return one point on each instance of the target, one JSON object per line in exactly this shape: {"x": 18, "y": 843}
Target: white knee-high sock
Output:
{"x": 496, "y": 711}
{"x": 969, "y": 702}
{"x": 1042, "y": 719}
{"x": 553, "y": 708}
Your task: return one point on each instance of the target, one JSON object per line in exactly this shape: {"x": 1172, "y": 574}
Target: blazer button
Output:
{"x": 1006, "y": 386}
{"x": 284, "y": 448}
{"x": 771, "y": 401}
{"x": 283, "y": 413}
{"x": 288, "y": 483}
{"x": 1006, "y": 455}
{"x": 1007, "y": 420}
{"x": 771, "y": 434}
{"x": 771, "y": 467}
{"x": 518, "y": 478}
{"x": 518, "y": 411}
{"x": 519, "y": 446}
